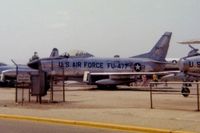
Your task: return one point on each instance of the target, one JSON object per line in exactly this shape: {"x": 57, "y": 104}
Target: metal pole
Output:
{"x": 151, "y": 99}
{"x": 51, "y": 89}
{"x": 40, "y": 99}
{"x": 16, "y": 87}
{"x": 197, "y": 96}
{"x": 51, "y": 81}
{"x": 29, "y": 93}
{"x": 22, "y": 94}
{"x": 29, "y": 88}
{"x": 37, "y": 99}
{"x": 63, "y": 84}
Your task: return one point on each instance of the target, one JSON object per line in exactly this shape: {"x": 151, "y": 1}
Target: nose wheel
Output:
{"x": 185, "y": 91}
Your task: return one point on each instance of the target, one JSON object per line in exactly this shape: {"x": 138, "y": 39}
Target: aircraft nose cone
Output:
{"x": 34, "y": 64}
{"x": 183, "y": 65}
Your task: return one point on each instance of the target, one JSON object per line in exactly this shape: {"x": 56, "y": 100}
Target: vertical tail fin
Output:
{"x": 54, "y": 53}
{"x": 159, "y": 51}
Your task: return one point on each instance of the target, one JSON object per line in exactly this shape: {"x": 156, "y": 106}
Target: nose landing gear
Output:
{"x": 185, "y": 90}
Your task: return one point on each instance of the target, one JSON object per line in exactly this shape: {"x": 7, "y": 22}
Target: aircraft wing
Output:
{"x": 118, "y": 78}
{"x": 133, "y": 73}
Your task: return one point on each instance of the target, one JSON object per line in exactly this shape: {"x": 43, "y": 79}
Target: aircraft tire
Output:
{"x": 185, "y": 91}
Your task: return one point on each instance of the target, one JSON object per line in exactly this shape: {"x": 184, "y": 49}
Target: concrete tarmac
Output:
{"x": 126, "y": 107}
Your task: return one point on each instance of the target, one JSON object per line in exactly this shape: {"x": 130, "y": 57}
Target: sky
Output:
{"x": 101, "y": 27}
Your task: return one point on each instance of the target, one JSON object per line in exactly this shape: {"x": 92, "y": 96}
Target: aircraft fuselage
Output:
{"x": 77, "y": 66}
{"x": 190, "y": 65}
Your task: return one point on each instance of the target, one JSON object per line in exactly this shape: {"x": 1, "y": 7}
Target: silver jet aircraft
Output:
{"x": 107, "y": 72}
{"x": 8, "y": 73}
{"x": 189, "y": 67}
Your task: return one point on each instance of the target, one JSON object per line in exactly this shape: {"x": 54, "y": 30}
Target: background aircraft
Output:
{"x": 8, "y": 74}
{"x": 2, "y": 64}
{"x": 107, "y": 71}
{"x": 189, "y": 67}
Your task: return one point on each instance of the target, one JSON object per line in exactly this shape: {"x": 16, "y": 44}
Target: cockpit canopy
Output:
{"x": 77, "y": 54}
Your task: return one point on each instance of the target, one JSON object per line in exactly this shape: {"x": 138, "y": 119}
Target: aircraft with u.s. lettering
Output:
{"x": 107, "y": 72}
{"x": 189, "y": 67}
